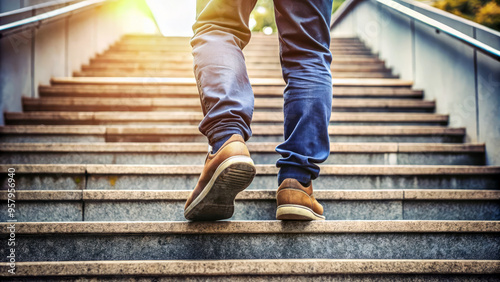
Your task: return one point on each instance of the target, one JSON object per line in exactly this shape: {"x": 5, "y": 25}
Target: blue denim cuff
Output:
{"x": 295, "y": 172}
{"x": 218, "y": 134}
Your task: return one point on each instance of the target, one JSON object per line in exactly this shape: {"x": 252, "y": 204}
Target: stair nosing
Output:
{"x": 322, "y": 195}
{"x": 261, "y": 147}
{"x": 254, "y": 227}
{"x": 252, "y": 267}
{"x": 260, "y": 130}
{"x": 191, "y": 81}
{"x": 352, "y": 170}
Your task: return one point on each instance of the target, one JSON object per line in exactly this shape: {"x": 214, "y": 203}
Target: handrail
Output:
{"x": 455, "y": 18}
{"x": 38, "y": 19}
{"x": 464, "y": 38}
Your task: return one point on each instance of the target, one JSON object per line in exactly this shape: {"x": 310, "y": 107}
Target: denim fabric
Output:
{"x": 221, "y": 32}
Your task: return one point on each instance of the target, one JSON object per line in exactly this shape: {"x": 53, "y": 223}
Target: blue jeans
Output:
{"x": 221, "y": 32}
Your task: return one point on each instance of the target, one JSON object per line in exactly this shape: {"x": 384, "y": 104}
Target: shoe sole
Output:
{"x": 216, "y": 201}
{"x": 296, "y": 212}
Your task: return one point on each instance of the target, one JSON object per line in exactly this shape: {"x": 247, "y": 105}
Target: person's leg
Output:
{"x": 220, "y": 33}
{"x": 304, "y": 35}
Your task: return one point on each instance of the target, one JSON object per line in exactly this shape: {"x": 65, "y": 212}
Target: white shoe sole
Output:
{"x": 296, "y": 212}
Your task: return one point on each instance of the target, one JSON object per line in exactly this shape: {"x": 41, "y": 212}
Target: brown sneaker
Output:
{"x": 296, "y": 202}
{"x": 226, "y": 173}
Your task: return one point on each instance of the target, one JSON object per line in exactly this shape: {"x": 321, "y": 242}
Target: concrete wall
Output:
{"x": 31, "y": 58}
{"x": 10, "y": 5}
{"x": 464, "y": 82}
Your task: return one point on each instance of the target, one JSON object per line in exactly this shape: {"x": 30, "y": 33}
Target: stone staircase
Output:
{"x": 105, "y": 160}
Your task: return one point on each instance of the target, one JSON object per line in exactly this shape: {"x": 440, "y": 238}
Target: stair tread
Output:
{"x": 255, "y": 227}
{"x": 250, "y": 61}
{"x": 252, "y": 267}
{"x": 193, "y": 130}
{"x": 264, "y": 267}
{"x": 176, "y": 195}
{"x": 276, "y": 103}
{"x": 261, "y": 147}
{"x": 197, "y": 116}
{"x": 251, "y": 73}
{"x": 191, "y": 81}
{"x": 191, "y": 91}
{"x": 189, "y": 67}
{"x": 261, "y": 169}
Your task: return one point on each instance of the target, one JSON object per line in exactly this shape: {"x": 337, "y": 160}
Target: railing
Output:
{"x": 455, "y": 61}
{"x": 442, "y": 27}
{"x": 488, "y": 50}
{"x": 38, "y": 20}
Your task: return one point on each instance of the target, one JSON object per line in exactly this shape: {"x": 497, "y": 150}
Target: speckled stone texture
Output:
{"x": 187, "y": 182}
{"x": 283, "y": 278}
{"x": 27, "y": 138}
{"x": 173, "y": 210}
{"x": 452, "y": 210}
{"x": 45, "y": 211}
{"x": 45, "y": 181}
{"x": 244, "y": 210}
{"x": 258, "y": 246}
{"x": 258, "y": 158}
{"x": 24, "y": 138}
{"x": 285, "y": 268}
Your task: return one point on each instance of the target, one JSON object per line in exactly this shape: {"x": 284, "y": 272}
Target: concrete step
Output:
{"x": 258, "y": 39}
{"x": 262, "y": 153}
{"x": 193, "y": 118}
{"x": 145, "y": 57}
{"x": 162, "y": 81}
{"x": 250, "y": 48}
{"x": 253, "y": 44}
{"x": 185, "y": 177}
{"x": 179, "y": 104}
{"x": 170, "y": 240}
{"x": 259, "y": 270}
{"x": 189, "y": 73}
{"x": 158, "y": 205}
{"x": 187, "y": 91}
{"x": 124, "y": 66}
{"x": 186, "y": 133}
{"x": 254, "y": 50}
{"x": 252, "y": 60}
{"x": 249, "y": 54}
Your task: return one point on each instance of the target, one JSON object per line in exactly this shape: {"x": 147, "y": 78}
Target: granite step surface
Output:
{"x": 251, "y": 48}
{"x": 113, "y": 58}
{"x": 145, "y": 57}
{"x": 179, "y": 104}
{"x": 189, "y": 73}
{"x": 186, "y": 133}
{"x": 184, "y": 177}
{"x": 187, "y": 66}
{"x": 190, "y": 91}
{"x": 259, "y": 270}
{"x": 194, "y": 118}
{"x": 164, "y": 205}
{"x": 170, "y": 240}
{"x": 251, "y": 51}
{"x": 140, "y": 81}
{"x": 262, "y": 153}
